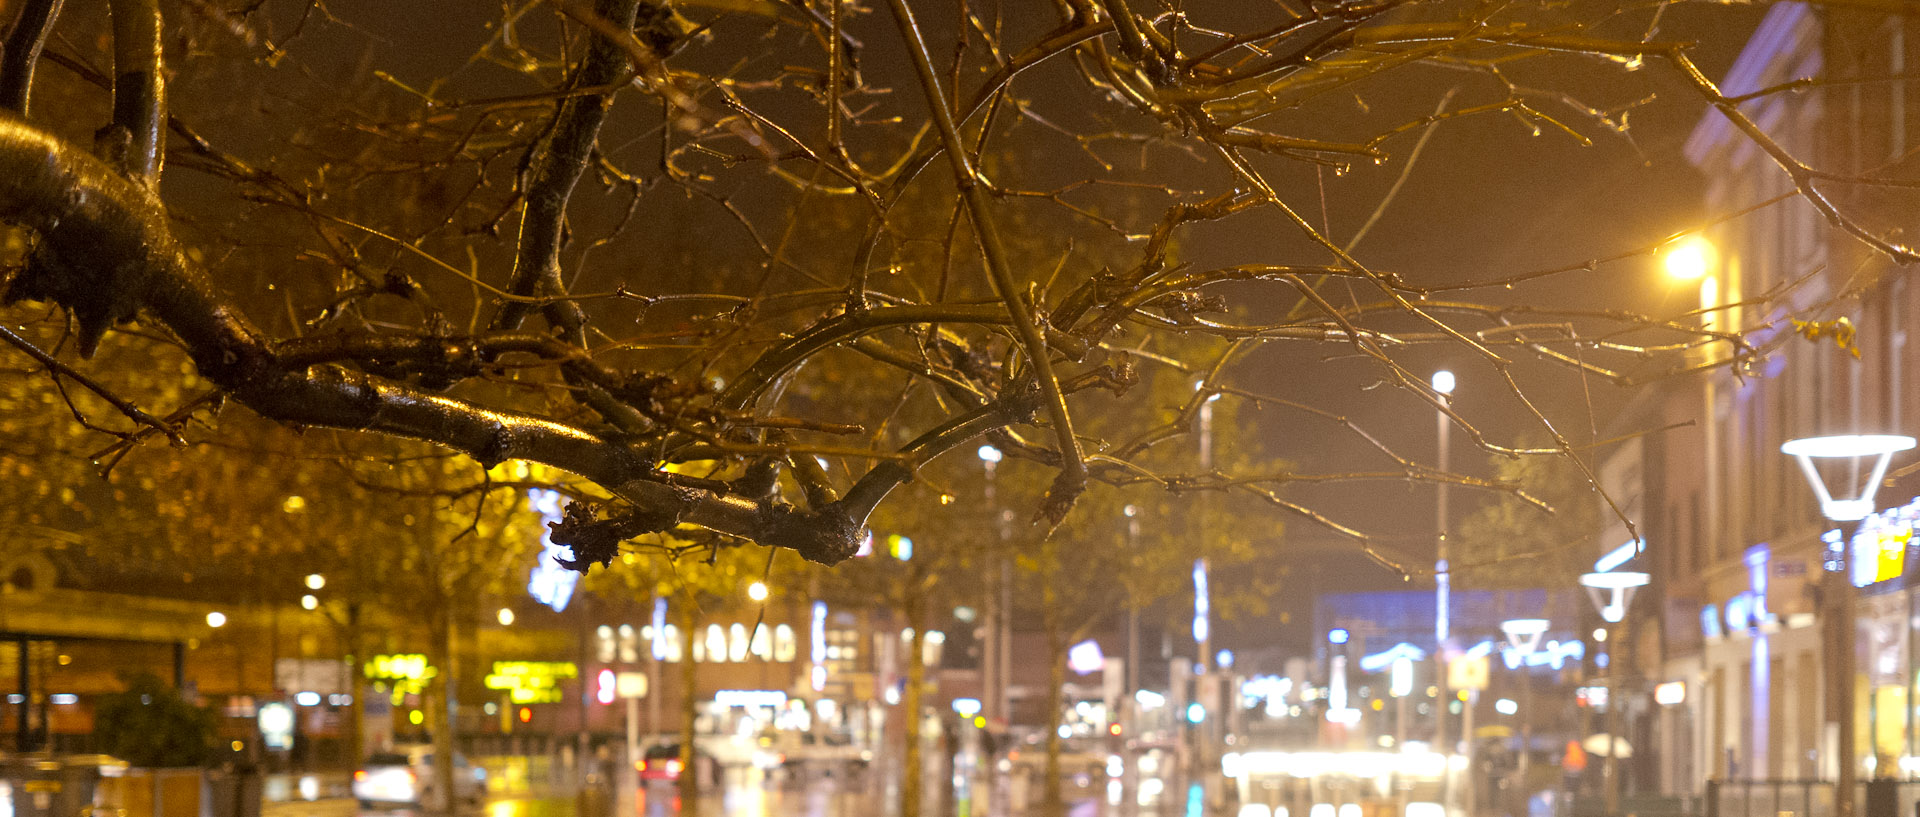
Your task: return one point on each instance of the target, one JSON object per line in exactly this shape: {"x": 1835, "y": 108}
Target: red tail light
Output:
{"x": 641, "y": 766}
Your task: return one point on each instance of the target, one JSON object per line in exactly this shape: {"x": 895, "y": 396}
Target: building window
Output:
{"x": 716, "y": 643}
{"x": 672, "y": 647}
{"x": 762, "y": 642}
{"x": 603, "y": 644}
{"x": 784, "y": 645}
{"x": 629, "y": 644}
{"x": 737, "y": 649}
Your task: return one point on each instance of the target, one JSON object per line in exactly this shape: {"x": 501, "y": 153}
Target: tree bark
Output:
{"x": 1053, "y": 805}
{"x": 356, "y": 685}
{"x": 440, "y": 706}
{"x": 911, "y": 783}
{"x": 689, "y": 783}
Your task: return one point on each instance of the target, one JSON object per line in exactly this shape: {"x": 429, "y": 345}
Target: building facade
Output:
{"x": 1728, "y": 662}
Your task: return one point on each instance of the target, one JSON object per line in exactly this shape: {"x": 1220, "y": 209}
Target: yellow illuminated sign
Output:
{"x": 408, "y": 667}
{"x": 531, "y": 682}
{"x": 408, "y": 673}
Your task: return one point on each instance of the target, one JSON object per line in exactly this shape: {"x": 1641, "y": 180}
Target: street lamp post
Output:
{"x": 993, "y": 660}
{"x": 1611, "y": 593}
{"x": 1206, "y": 685}
{"x": 1523, "y": 637}
{"x": 1443, "y": 384}
{"x": 1836, "y": 587}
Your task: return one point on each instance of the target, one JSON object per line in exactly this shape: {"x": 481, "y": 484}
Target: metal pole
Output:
{"x": 1203, "y": 736}
{"x": 1526, "y": 735}
{"x": 1466, "y": 734}
{"x": 1206, "y": 464}
{"x": 992, "y": 659}
{"x": 1610, "y": 773}
{"x": 1133, "y": 616}
{"x": 1442, "y": 611}
{"x": 1004, "y": 686}
{"x": 654, "y": 681}
{"x": 1839, "y": 647}
{"x": 23, "y": 738}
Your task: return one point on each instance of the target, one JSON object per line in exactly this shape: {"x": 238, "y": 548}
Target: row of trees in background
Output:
{"x": 740, "y": 275}
{"x": 621, "y": 238}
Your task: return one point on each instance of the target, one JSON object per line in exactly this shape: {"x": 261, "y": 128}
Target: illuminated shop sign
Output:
{"x": 550, "y": 583}
{"x": 276, "y": 725}
{"x": 750, "y": 697}
{"x": 1671, "y": 693}
{"x": 531, "y": 682}
{"x": 406, "y": 674}
{"x": 1085, "y": 657}
{"x": 1879, "y": 549}
{"x": 1384, "y": 659}
{"x": 1710, "y": 621}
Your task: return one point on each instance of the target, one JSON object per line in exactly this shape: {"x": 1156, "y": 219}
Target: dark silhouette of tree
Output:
{"x": 621, "y": 237}
{"x": 149, "y": 724}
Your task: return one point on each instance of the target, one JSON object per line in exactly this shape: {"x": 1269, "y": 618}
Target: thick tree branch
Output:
{"x": 139, "y": 86}
{"x": 1072, "y": 480}
{"x": 109, "y": 254}
{"x": 561, "y": 159}
{"x": 22, "y": 52}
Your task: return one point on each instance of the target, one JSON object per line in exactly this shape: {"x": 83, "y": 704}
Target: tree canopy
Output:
{"x": 746, "y": 266}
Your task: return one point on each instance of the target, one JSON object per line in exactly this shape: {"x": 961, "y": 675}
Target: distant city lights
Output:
{"x": 1085, "y": 657}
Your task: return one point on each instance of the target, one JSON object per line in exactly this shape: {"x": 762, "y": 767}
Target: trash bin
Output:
{"x": 1883, "y": 798}
{"x": 234, "y": 792}
{"x": 50, "y": 786}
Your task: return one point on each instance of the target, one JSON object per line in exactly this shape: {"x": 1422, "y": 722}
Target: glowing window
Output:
{"x": 738, "y": 649}
{"x": 671, "y": 646}
{"x": 784, "y": 645}
{"x": 763, "y": 643}
{"x": 716, "y": 643}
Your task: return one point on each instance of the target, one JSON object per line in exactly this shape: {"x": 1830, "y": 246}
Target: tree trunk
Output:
{"x": 356, "y": 687}
{"x": 689, "y": 770}
{"x": 913, "y": 776}
{"x": 1053, "y": 805}
{"x": 440, "y": 711}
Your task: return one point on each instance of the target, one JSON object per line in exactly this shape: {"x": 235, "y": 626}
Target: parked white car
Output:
{"x": 404, "y": 776}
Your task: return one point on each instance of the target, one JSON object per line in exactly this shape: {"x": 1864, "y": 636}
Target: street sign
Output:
{"x": 324, "y": 676}
{"x": 1467, "y": 673}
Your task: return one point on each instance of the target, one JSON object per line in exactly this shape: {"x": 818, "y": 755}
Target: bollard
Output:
{"x": 594, "y": 798}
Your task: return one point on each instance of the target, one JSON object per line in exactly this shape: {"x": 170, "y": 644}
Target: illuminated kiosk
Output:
{"x": 1837, "y": 595}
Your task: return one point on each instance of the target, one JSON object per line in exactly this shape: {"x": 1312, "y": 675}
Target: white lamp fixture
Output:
{"x": 1523, "y": 634}
{"x": 1443, "y": 381}
{"x": 1879, "y": 446}
{"x": 1612, "y": 592}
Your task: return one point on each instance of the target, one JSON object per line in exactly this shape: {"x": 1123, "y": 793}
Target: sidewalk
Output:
{"x": 313, "y": 794}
